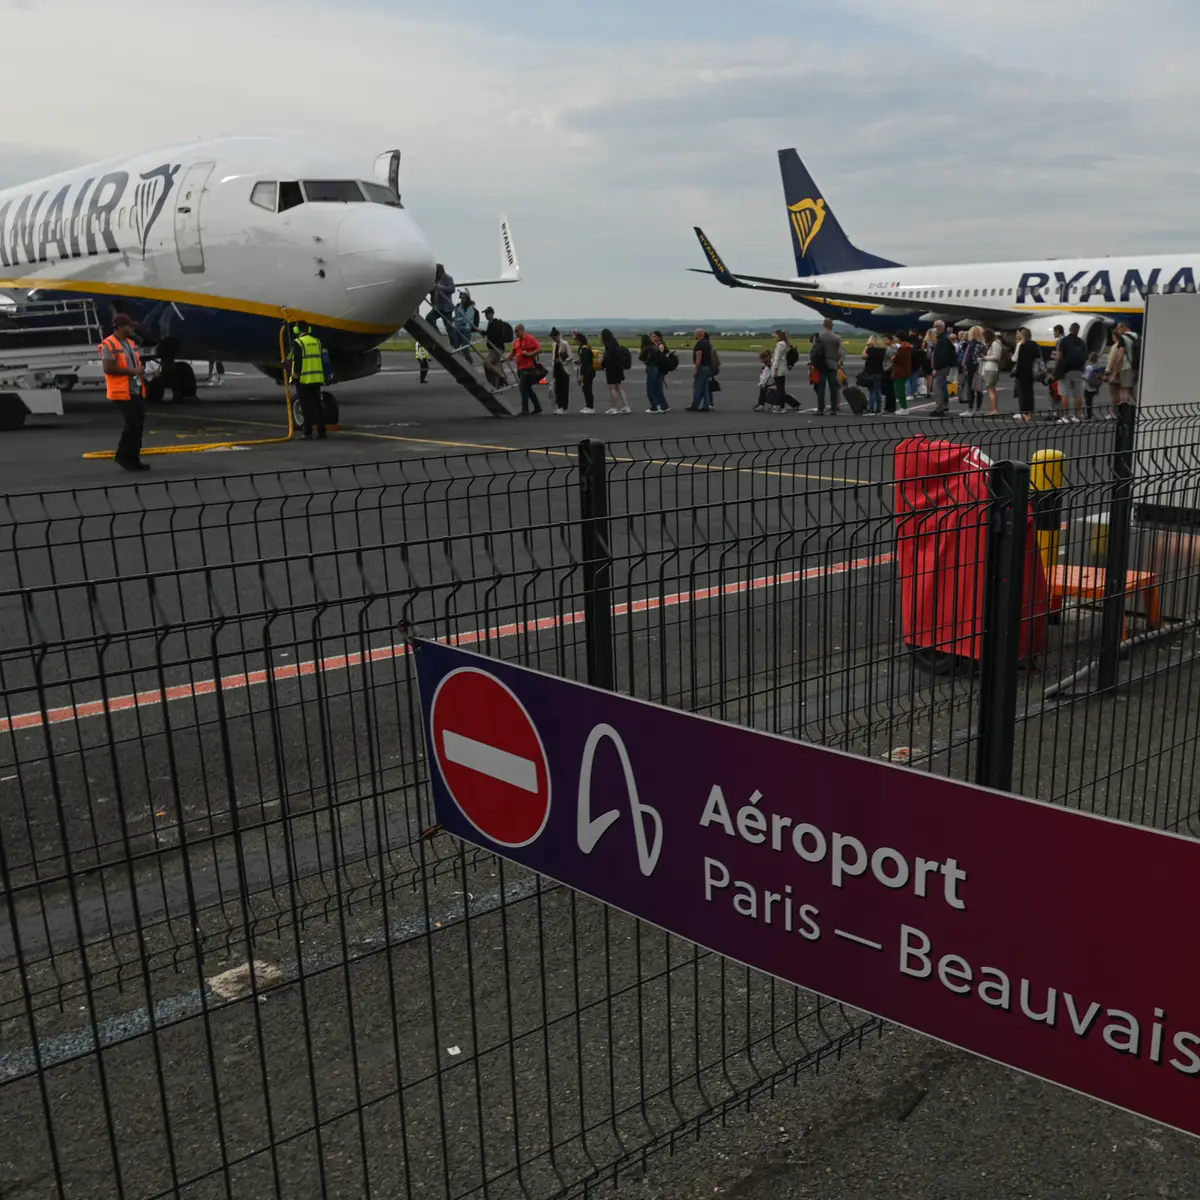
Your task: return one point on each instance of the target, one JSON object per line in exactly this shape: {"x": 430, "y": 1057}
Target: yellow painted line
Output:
{"x": 199, "y": 300}
{"x": 657, "y": 462}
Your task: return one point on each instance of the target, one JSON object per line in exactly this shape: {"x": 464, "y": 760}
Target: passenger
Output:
{"x": 1072, "y": 359}
{"x": 466, "y": 322}
{"x": 782, "y": 359}
{"x": 702, "y": 363}
{"x": 993, "y": 359}
{"x": 652, "y": 357}
{"x": 497, "y": 334}
{"x": 216, "y": 374}
{"x": 423, "y": 363}
{"x": 902, "y": 370}
{"x": 1093, "y": 377}
{"x": 970, "y": 378}
{"x": 524, "y": 353}
{"x": 562, "y": 375}
{"x": 827, "y": 355}
{"x": 1056, "y": 404}
{"x": 614, "y": 372}
{"x": 441, "y": 299}
{"x": 123, "y": 375}
{"x": 872, "y": 373}
{"x": 765, "y": 382}
{"x": 670, "y": 361}
{"x": 587, "y": 373}
{"x": 944, "y": 359}
{"x": 1122, "y": 373}
{"x": 886, "y": 386}
{"x": 1028, "y": 353}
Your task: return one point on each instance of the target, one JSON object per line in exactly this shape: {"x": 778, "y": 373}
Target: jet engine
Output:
{"x": 1093, "y": 328}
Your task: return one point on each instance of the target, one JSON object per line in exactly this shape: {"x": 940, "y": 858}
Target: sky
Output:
{"x": 937, "y": 130}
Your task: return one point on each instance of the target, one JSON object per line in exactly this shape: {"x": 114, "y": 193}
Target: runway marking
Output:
{"x": 680, "y": 465}
{"x": 657, "y": 462}
{"x": 244, "y": 680}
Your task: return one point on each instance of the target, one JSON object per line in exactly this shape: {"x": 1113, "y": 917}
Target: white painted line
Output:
{"x": 853, "y": 937}
{"x": 490, "y": 760}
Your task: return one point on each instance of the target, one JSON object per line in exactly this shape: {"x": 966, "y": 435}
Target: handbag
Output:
{"x": 714, "y": 385}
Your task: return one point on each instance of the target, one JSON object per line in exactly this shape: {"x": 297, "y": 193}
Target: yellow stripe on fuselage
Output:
{"x": 199, "y": 300}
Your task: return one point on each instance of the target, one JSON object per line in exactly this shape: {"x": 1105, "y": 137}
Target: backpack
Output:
{"x": 474, "y": 317}
{"x": 816, "y": 356}
{"x": 1133, "y": 350}
{"x": 1075, "y": 356}
{"x": 506, "y": 332}
{"x": 670, "y": 362}
{"x": 716, "y": 362}
{"x": 626, "y": 358}
{"x": 792, "y": 357}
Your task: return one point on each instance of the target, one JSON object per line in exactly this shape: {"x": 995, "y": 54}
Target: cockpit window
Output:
{"x": 335, "y": 191}
{"x": 380, "y": 193}
{"x": 290, "y": 195}
{"x": 263, "y": 195}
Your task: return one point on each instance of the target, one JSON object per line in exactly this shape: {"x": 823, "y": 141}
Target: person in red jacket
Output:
{"x": 529, "y": 371}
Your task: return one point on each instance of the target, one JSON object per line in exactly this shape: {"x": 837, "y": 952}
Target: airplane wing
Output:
{"x": 759, "y": 283}
{"x": 510, "y": 268}
{"x": 811, "y": 289}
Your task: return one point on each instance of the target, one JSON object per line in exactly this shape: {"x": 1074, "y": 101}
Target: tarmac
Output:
{"x": 328, "y": 827}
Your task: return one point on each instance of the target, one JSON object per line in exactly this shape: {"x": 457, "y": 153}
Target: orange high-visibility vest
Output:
{"x": 118, "y": 387}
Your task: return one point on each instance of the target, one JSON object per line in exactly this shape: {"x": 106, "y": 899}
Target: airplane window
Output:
{"x": 263, "y": 195}
{"x": 289, "y": 195}
{"x": 332, "y": 191}
{"x": 380, "y": 193}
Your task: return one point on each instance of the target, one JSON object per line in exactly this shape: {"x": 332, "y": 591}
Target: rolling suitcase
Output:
{"x": 856, "y": 398}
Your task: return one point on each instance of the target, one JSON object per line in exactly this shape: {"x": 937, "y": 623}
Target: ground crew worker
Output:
{"x": 123, "y": 375}
{"x": 308, "y": 373}
{"x": 423, "y": 362}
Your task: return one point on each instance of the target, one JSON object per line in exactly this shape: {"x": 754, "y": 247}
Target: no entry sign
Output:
{"x": 1056, "y": 942}
{"x": 490, "y": 757}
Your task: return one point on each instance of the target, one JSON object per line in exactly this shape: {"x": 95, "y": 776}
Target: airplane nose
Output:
{"x": 386, "y": 264}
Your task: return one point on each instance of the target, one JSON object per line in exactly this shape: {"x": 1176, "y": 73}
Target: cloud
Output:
{"x": 936, "y": 134}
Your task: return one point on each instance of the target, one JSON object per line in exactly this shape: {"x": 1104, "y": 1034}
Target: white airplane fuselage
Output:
{"x": 1094, "y": 292}
{"x": 213, "y": 245}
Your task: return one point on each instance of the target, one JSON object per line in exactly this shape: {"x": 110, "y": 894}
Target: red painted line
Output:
{"x": 345, "y": 662}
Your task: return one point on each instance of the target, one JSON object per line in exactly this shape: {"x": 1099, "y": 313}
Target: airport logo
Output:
{"x": 807, "y": 218}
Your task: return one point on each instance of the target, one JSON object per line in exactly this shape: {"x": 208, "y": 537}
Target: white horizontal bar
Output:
{"x": 489, "y": 760}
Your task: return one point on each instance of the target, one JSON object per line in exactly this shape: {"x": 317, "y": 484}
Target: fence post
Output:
{"x": 1116, "y": 566}
{"x": 1003, "y": 596}
{"x": 597, "y": 564}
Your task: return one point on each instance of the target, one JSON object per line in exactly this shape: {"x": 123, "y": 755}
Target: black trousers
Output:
{"x": 312, "y": 408}
{"x": 782, "y": 399}
{"x": 423, "y": 366}
{"x": 562, "y": 387}
{"x": 586, "y": 383}
{"x": 129, "y": 448}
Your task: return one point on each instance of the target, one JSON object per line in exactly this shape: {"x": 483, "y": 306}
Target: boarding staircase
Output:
{"x": 464, "y": 364}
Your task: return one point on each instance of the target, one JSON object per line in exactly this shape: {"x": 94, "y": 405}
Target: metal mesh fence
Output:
{"x": 237, "y": 956}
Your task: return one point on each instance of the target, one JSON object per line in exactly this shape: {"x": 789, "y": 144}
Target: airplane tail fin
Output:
{"x": 820, "y": 245}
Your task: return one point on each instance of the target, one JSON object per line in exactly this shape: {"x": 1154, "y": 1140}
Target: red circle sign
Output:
{"x": 490, "y": 756}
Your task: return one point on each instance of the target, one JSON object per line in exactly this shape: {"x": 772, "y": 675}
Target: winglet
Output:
{"x": 714, "y": 259}
{"x": 510, "y": 268}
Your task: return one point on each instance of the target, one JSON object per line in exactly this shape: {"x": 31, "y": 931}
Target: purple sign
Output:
{"x": 1056, "y": 942}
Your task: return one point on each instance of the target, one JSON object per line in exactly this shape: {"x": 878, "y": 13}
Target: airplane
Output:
{"x": 216, "y": 246}
{"x": 881, "y": 296}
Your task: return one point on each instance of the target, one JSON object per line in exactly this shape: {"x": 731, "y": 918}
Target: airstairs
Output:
{"x": 464, "y": 364}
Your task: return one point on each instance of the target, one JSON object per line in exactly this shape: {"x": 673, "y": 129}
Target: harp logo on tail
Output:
{"x": 807, "y": 218}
